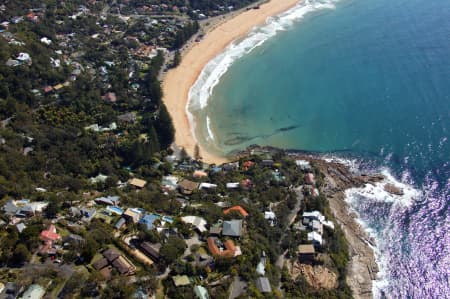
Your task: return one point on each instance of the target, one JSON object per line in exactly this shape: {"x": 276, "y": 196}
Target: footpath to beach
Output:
{"x": 177, "y": 82}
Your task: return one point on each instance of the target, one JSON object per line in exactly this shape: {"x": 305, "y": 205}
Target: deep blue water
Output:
{"x": 367, "y": 80}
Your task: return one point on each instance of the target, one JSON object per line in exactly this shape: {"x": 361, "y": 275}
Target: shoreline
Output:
{"x": 178, "y": 81}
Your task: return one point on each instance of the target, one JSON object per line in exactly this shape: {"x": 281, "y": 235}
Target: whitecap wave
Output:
{"x": 211, "y": 74}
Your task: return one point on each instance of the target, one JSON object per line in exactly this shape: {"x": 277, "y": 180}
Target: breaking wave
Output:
{"x": 211, "y": 74}
{"x": 412, "y": 237}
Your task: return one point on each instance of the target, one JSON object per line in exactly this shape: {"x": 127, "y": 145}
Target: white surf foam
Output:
{"x": 208, "y": 127}
{"x": 202, "y": 89}
{"x": 376, "y": 193}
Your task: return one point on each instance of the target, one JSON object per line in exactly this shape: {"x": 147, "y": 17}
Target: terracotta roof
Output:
{"x": 238, "y": 209}
{"x": 229, "y": 246}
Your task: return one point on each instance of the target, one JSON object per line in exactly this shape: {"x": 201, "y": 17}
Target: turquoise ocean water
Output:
{"x": 365, "y": 81}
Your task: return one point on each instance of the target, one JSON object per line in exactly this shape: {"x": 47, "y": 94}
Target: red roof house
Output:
{"x": 238, "y": 209}
{"x": 50, "y": 234}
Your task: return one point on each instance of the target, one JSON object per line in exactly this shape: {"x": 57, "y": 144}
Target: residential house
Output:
{"x": 187, "y": 187}
{"x": 207, "y": 186}
{"x": 87, "y": 214}
{"x": 109, "y": 200}
{"x": 199, "y": 174}
{"x": 303, "y": 165}
{"x": 306, "y": 253}
{"x": 120, "y": 223}
{"x": 232, "y": 228}
{"x": 133, "y": 215}
{"x": 198, "y": 222}
{"x": 151, "y": 249}
{"x": 169, "y": 183}
{"x": 181, "y": 280}
{"x": 315, "y": 238}
{"x": 149, "y": 219}
{"x": 263, "y": 285}
{"x": 270, "y": 217}
{"x": 227, "y": 249}
{"x": 237, "y": 209}
{"x": 49, "y": 236}
{"x": 138, "y": 183}
{"x": 111, "y": 258}
{"x": 232, "y": 185}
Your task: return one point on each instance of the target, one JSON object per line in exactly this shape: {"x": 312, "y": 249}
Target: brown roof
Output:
{"x": 306, "y": 249}
{"x": 122, "y": 265}
{"x": 100, "y": 264}
{"x": 151, "y": 249}
{"x": 111, "y": 254}
{"x": 188, "y": 186}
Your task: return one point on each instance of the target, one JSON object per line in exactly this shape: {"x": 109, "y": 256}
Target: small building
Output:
{"x": 138, "y": 183}
{"x": 303, "y": 165}
{"x": 181, "y": 280}
{"x": 227, "y": 249}
{"x": 306, "y": 253}
{"x": 237, "y": 209}
{"x": 199, "y": 174}
{"x": 207, "y": 186}
{"x": 169, "y": 183}
{"x": 34, "y": 291}
{"x": 50, "y": 234}
{"x": 232, "y": 228}
{"x": 198, "y": 222}
{"x": 133, "y": 215}
{"x": 87, "y": 214}
{"x": 263, "y": 285}
{"x": 232, "y": 185}
{"x": 123, "y": 266}
{"x": 270, "y": 217}
{"x": 151, "y": 249}
{"x": 120, "y": 223}
{"x": 187, "y": 187}
{"x": 149, "y": 219}
{"x": 108, "y": 200}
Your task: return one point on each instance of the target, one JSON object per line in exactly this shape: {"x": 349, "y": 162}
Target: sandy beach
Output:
{"x": 178, "y": 81}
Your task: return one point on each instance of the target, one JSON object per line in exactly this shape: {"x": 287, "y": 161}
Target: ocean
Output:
{"x": 367, "y": 82}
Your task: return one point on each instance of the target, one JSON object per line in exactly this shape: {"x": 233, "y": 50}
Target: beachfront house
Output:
{"x": 306, "y": 253}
